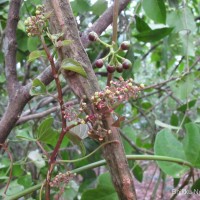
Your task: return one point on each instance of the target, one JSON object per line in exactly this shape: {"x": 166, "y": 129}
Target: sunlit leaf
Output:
{"x": 36, "y": 54}
{"x": 166, "y": 144}
{"x": 164, "y": 125}
{"x": 155, "y": 9}
{"x": 191, "y": 143}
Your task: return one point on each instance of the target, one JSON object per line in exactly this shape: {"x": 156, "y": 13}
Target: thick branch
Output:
{"x": 103, "y": 22}
{"x": 10, "y": 46}
{"x": 12, "y": 113}
{"x": 114, "y": 152}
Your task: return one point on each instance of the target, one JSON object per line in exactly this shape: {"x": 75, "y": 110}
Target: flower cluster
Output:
{"x": 114, "y": 62}
{"x": 97, "y": 131}
{"x": 106, "y": 101}
{"x": 116, "y": 93}
{"x": 61, "y": 179}
{"x": 35, "y": 24}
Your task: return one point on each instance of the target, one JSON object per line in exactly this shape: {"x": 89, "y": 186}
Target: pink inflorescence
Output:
{"x": 61, "y": 179}
{"x": 118, "y": 92}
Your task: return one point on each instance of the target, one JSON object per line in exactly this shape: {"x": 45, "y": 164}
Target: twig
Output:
{"x": 4, "y": 146}
{"x": 132, "y": 144}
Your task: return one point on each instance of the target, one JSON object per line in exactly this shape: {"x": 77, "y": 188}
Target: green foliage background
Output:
{"x": 164, "y": 38}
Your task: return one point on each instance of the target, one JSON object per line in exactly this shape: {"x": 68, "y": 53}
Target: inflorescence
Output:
{"x": 61, "y": 179}
{"x": 35, "y": 24}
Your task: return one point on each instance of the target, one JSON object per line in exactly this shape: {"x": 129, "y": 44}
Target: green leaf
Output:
{"x": 155, "y": 9}
{"x": 2, "y": 78}
{"x": 73, "y": 65}
{"x": 37, "y": 159}
{"x": 153, "y": 35}
{"x": 37, "y": 88}
{"x": 141, "y": 25}
{"x": 33, "y": 43}
{"x": 196, "y": 186}
{"x": 24, "y": 135}
{"x": 182, "y": 19}
{"x": 174, "y": 120}
{"x": 186, "y": 106}
{"x": 164, "y": 125}
{"x": 48, "y": 135}
{"x": 75, "y": 139}
{"x": 138, "y": 172}
{"x": 80, "y": 6}
{"x": 184, "y": 87}
{"x": 103, "y": 191}
{"x": 166, "y": 144}
{"x": 44, "y": 127}
{"x": 13, "y": 188}
{"x": 99, "y": 7}
{"x": 26, "y": 181}
{"x": 36, "y": 54}
{"x": 191, "y": 144}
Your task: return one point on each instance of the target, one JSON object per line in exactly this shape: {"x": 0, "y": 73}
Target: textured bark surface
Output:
{"x": 14, "y": 108}
{"x": 62, "y": 20}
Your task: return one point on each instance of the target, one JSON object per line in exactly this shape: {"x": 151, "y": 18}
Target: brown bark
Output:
{"x": 13, "y": 110}
{"x": 62, "y": 20}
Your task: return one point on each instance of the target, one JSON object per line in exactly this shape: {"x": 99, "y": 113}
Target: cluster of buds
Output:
{"x": 61, "y": 179}
{"x": 35, "y": 24}
{"x": 97, "y": 131}
{"x": 114, "y": 62}
{"x": 116, "y": 93}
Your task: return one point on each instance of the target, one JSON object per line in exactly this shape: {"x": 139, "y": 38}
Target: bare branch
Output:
{"x": 10, "y": 45}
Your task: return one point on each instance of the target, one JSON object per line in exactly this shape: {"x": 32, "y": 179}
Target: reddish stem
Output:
{"x": 62, "y": 109}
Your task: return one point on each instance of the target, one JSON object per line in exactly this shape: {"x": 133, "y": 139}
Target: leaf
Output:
{"x": 48, "y": 135}
{"x": 103, "y": 191}
{"x": 26, "y": 181}
{"x": 33, "y": 43}
{"x": 73, "y": 65}
{"x": 191, "y": 143}
{"x": 138, "y": 172}
{"x": 99, "y": 7}
{"x": 182, "y": 19}
{"x": 153, "y": 35}
{"x": 166, "y": 144}
{"x": 24, "y": 135}
{"x": 37, "y": 88}
{"x": 196, "y": 186}
{"x": 186, "y": 106}
{"x": 184, "y": 87}
{"x": 164, "y": 125}
{"x": 141, "y": 25}
{"x": 174, "y": 120}
{"x": 155, "y": 9}
{"x": 75, "y": 139}
{"x": 37, "y": 159}
{"x": 61, "y": 43}
{"x": 36, "y": 54}
{"x": 81, "y": 131}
